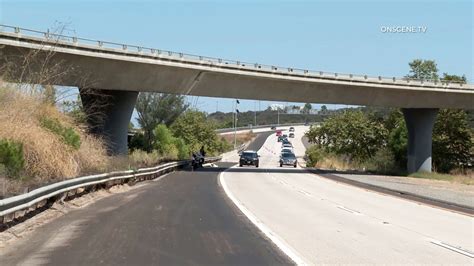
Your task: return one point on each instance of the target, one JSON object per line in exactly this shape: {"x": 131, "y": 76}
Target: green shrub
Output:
{"x": 398, "y": 143}
{"x": 183, "y": 149}
{"x": 383, "y": 162}
{"x": 313, "y": 156}
{"x": 11, "y": 157}
{"x": 68, "y": 134}
{"x": 162, "y": 139}
{"x": 137, "y": 142}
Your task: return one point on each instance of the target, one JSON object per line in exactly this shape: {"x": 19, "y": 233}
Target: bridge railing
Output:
{"x": 142, "y": 51}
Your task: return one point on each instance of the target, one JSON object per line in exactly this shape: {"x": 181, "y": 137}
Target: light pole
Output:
{"x": 278, "y": 116}
{"x": 236, "y": 111}
{"x": 255, "y": 111}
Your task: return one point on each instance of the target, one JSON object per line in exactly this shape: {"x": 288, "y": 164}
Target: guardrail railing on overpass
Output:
{"x": 226, "y": 130}
{"x": 39, "y": 197}
{"x": 141, "y": 51}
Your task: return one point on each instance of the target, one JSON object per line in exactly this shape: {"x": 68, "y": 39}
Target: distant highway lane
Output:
{"x": 181, "y": 219}
{"x": 325, "y": 222}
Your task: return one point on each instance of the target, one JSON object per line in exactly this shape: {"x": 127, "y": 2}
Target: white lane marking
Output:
{"x": 453, "y": 248}
{"x": 284, "y": 247}
{"x": 305, "y": 193}
{"x": 349, "y": 210}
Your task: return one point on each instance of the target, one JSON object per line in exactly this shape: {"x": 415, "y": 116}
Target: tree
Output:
{"x": 157, "y": 108}
{"x": 452, "y": 141}
{"x": 423, "y": 69}
{"x": 324, "y": 109}
{"x": 455, "y": 78}
{"x": 196, "y": 131}
{"x": 349, "y": 133}
{"x": 398, "y": 141}
{"x": 307, "y": 108}
{"x": 163, "y": 140}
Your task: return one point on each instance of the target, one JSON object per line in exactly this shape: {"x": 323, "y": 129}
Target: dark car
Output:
{"x": 288, "y": 158}
{"x": 273, "y": 128}
{"x": 292, "y": 129}
{"x": 282, "y": 138}
{"x": 291, "y": 135}
{"x": 249, "y": 158}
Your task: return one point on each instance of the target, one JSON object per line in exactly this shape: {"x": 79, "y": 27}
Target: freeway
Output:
{"x": 183, "y": 218}
{"x": 320, "y": 221}
{"x": 227, "y": 215}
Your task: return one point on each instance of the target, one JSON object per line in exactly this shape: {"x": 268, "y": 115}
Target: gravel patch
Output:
{"x": 441, "y": 190}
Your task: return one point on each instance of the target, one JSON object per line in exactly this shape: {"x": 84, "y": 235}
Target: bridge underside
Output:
{"x": 126, "y": 73}
{"x": 121, "y": 77}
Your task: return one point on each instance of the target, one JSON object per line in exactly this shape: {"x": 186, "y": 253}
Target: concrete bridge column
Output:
{"x": 108, "y": 115}
{"x": 420, "y": 124}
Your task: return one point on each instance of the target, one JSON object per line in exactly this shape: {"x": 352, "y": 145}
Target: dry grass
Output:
{"x": 466, "y": 178}
{"x": 139, "y": 158}
{"x": 240, "y": 137}
{"x": 335, "y": 163}
{"x": 47, "y": 157}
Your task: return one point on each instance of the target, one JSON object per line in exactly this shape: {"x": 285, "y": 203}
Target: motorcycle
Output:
{"x": 197, "y": 160}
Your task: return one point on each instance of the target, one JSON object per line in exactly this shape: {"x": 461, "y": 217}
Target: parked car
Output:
{"x": 291, "y": 135}
{"x": 249, "y": 158}
{"x": 292, "y": 129}
{"x": 273, "y": 128}
{"x": 288, "y": 159}
{"x": 278, "y": 133}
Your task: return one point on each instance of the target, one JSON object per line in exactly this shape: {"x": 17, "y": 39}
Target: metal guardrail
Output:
{"x": 225, "y": 130}
{"x": 153, "y": 53}
{"x": 26, "y": 201}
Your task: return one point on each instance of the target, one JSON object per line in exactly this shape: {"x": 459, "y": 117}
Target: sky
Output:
{"x": 333, "y": 36}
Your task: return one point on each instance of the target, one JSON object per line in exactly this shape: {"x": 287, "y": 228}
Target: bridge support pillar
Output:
{"x": 108, "y": 115}
{"x": 420, "y": 124}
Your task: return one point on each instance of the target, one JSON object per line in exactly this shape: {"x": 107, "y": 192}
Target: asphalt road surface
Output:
{"x": 182, "y": 219}
{"x": 321, "y": 221}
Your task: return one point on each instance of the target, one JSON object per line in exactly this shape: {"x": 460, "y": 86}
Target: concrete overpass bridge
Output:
{"x": 110, "y": 75}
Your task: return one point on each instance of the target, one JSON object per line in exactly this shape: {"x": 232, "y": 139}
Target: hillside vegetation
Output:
{"x": 41, "y": 144}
